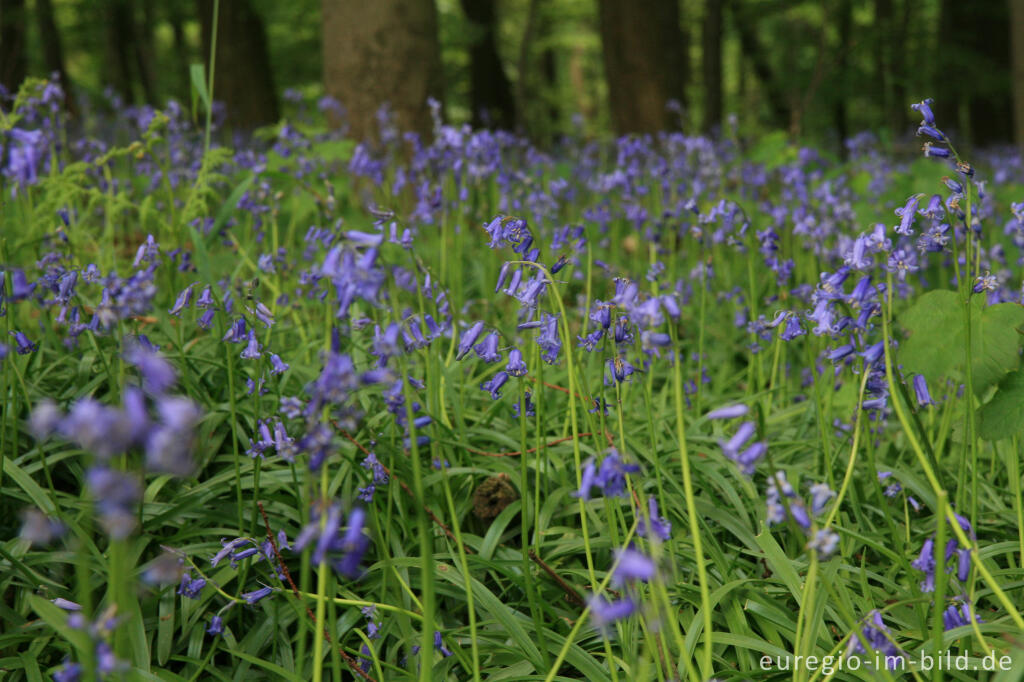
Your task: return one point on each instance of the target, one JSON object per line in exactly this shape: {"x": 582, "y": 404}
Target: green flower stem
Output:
{"x": 691, "y": 507}
{"x": 933, "y": 481}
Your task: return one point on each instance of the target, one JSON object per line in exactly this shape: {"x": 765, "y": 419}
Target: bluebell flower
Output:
{"x": 588, "y": 478}
{"x": 825, "y": 542}
{"x": 921, "y": 390}
{"x": 344, "y": 550}
{"x": 205, "y": 299}
{"x": 24, "y": 346}
{"x": 620, "y": 368}
{"x": 907, "y": 213}
{"x": 182, "y": 301}
{"x": 277, "y": 366}
{"x": 236, "y": 334}
{"x": 601, "y": 314}
{"x": 925, "y": 109}
{"x": 252, "y": 348}
{"x": 263, "y": 314}
{"x": 439, "y": 645}
{"x": 623, "y": 333}
{"x": 662, "y": 527}
{"x": 66, "y": 604}
{"x": 603, "y": 612}
{"x": 38, "y": 529}
{"x": 191, "y": 587}
{"x": 469, "y": 337}
{"x": 487, "y": 350}
{"x": 516, "y": 367}
{"x": 158, "y": 374}
{"x": 548, "y": 339}
{"x": 494, "y": 384}
{"x": 748, "y": 459}
{"x": 986, "y": 282}
{"x": 116, "y": 495}
{"x": 256, "y": 596}
{"x": 925, "y": 562}
{"x": 216, "y": 626}
{"x": 798, "y": 512}
{"x": 590, "y": 341}
{"x": 531, "y": 410}
{"x": 879, "y": 638}
{"x": 611, "y": 475}
{"x": 728, "y": 412}
{"x": 820, "y": 496}
{"x": 631, "y": 565}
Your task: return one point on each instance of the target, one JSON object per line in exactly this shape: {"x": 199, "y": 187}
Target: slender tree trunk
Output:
{"x": 752, "y": 50}
{"x": 244, "y": 79}
{"x": 490, "y": 93}
{"x": 144, "y": 59}
{"x": 644, "y": 60}
{"x": 53, "y": 48}
{"x": 120, "y": 30}
{"x": 977, "y": 59}
{"x": 182, "y": 57}
{"x": 842, "y": 67}
{"x": 1017, "y": 38}
{"x": 884, "y": 47}
{"x": 13, "y": 63}
{"x": 711, "y": 64}
{"x": 523, "y": 82}
{"x": 385, "y": 51}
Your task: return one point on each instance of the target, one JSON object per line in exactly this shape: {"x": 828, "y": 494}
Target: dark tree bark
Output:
{"x": 711, "y": 64}
{"x": 842, "y": 119}
{"x": 53, "y": 48}
{"x": 244, "y": 80}
{"x": 144, "y": 59}
{"x": 885, "y": 21}
{"x": 120, "y": 32}
{"x": 385, "y": 51}
{"x": 13, "y": 63}
{"x": 490, "y": 92}
{"x": 645, "y": 62}
{"x": 176, "y": 17}
{"x": 524, "y": 95}
{"x": 1017, "y": 39}
{"x": 757, "y": 56}
{"x": 974, "y": 78}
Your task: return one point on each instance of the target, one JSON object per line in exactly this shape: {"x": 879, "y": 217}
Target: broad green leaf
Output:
{"x": 1003, "y": 416}
{"x": 58, "y": 620}
{"x": 937, "y": 339}
{"x": 197, "y": 75}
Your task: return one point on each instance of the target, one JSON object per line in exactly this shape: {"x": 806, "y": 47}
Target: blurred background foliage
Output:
{"x": 818, "y": 70}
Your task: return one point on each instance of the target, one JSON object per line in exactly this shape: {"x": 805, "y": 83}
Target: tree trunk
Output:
{"x": 978, "y": 59}
{"x": 644, "y": 61}
{"x": 752, "y": 50}
{"x": 1017, "y": 38}
{"x": 176, "y": 17}
{"x": 385, "y": 51}
{"x": 120, "y": 47}
{"x": 53, "y": 48}
{"x": 13, "y": 64}
{"x": 490, "y": 93}
{"x": 524, "y": 95}
{"x": 244, "y": 80}
{"x": 884, "y": 74}
{"x": 144, "y": 58}
{"x": 711, "y": 64}
{"x": 842, "y": 119}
